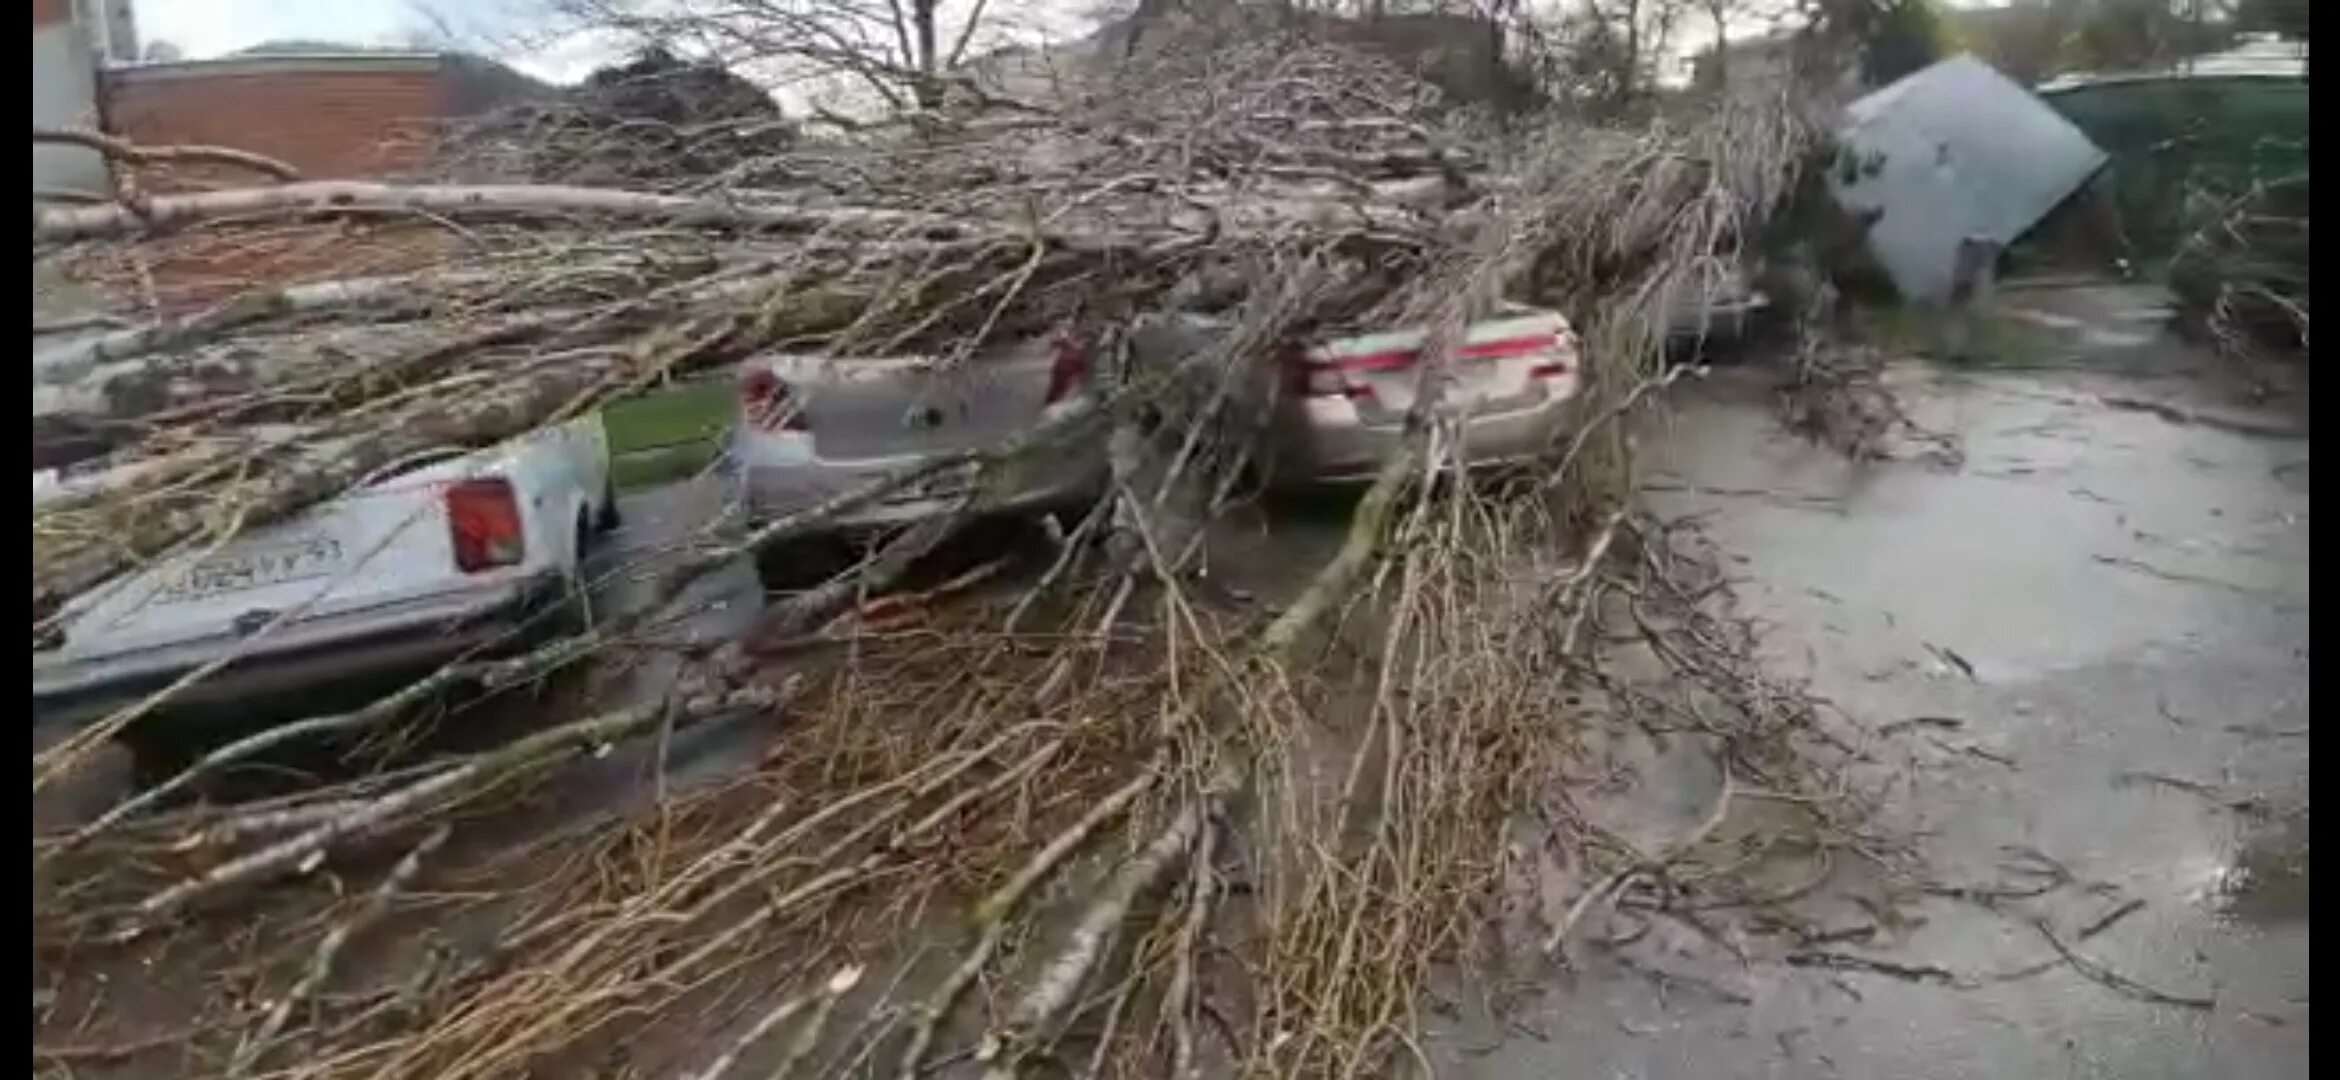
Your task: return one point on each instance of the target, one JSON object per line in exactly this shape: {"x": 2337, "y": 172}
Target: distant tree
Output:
{"x": 1608, "y": 54}
{"x": 905, "y": 52}
{"x": 1718, "y": 18}
{"x": 656, "y": 120}
{"x": 2286, "y": 17}
{"x": 2034, "y": 39}
{"x": 657, "y": 85}
{"x": 1885, "y": 39}
{"x": 2132, "y": 35}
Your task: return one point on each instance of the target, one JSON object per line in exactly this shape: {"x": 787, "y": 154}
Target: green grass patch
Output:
{"x": 665, "y": 465}
{"x": 686, "y": 412}
{"x": 666, "y": 435}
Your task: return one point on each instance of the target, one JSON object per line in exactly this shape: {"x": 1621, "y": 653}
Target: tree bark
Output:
{"x": 72, "y": 361}
{"x": 169, "y": 212}
{"x": 928, "y": 87}
{"x": 126, "y": 151}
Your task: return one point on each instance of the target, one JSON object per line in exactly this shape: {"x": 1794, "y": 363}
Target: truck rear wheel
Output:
{"x": 157, "y": 754}
{"x": 606, "y": 519}
{"x": 576, "y": 608}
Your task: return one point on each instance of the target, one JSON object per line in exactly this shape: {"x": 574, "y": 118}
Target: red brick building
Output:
{"x": 331, "y": 115}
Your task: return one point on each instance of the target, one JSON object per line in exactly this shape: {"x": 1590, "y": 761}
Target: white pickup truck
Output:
{"x": 442, "y": 554}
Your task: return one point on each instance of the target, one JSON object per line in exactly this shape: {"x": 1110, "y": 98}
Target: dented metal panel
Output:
{"x": 1956, "y": 155}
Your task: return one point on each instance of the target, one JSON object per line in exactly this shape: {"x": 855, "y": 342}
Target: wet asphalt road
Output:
{"x": 2112, "y": 608}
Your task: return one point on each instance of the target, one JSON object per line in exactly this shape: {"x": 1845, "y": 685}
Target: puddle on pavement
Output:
{"x": 2268, "y": 881}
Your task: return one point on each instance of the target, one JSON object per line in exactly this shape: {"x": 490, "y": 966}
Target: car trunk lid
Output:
{"x": 1495, "y": 366}
{"x": 862, "y": 409}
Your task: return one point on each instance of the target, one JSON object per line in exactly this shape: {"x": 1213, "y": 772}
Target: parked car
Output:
{"x": 1725, "y": 311}
{"x": 1340, "y": 407}
{"x": 441, "y": 554}
{"x": 812, "y": 427}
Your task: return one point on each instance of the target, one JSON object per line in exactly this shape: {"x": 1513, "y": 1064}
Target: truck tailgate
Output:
{"x": 371, "y": 548}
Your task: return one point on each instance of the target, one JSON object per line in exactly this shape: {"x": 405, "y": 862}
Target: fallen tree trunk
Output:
{"x": 1256, "y": 209}
{"x": 77, "y": 359}
{"x": 169, "y": 212}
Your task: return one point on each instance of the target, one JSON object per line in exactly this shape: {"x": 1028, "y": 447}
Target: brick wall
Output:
{"x": 332, "y": 117}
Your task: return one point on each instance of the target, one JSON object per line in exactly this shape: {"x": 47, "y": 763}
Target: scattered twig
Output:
{"x": 1950, "y": 656}
{"x": 566, "y": 741}
{"x": 1895, "y": 727}
{"x": 1043, "y": 1004}
{"x": 992, "y": 916}
{"x": 2142, "y": 567}
{"x": 2114, "y": 980}
{"x": 1556, "y": 942}
{"x": 2108, "y": 919}
{"x": 821, "y": 999}
{"x": 1835, "y": 961}
{"x": 256, "y": 1046}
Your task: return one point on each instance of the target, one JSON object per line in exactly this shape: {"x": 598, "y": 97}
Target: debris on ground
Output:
{"x": 1101, "y": 816}
{"x": 2241, "y": 279}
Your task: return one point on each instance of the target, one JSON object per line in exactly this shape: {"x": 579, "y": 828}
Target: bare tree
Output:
{"x": 1607, "y": 53}
{"x": 1718, "y": 14}
{"x": 901, "y": 51}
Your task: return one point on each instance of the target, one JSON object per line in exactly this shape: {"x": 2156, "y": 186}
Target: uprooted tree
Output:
{"x": 1115, "y": 820}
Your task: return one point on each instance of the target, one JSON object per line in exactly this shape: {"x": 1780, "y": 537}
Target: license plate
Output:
{"x": 250, "y": 568}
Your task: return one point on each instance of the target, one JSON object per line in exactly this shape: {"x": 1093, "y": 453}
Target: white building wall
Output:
{"x": 65, "y": 95}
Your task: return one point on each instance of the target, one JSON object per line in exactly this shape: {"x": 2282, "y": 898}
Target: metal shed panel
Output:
{"x": 1953, "y": 152}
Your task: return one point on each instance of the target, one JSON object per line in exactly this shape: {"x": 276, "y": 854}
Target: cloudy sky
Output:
{"x": 520, "y": 32}
{"x": 513, "y": 29}
{"x": 523, "y": 33}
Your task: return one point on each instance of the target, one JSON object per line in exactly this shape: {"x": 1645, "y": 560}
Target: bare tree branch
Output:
{"x": 127, "y": 151}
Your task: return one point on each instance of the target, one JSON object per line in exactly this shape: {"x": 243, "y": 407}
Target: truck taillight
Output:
{"x": 483, "y": 522}
{"x": 1068, "y": 367}
{"x": 769, "y": 403}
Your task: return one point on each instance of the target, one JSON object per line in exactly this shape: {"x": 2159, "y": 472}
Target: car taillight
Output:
{"x": 1068, "y": 367}
{"x": 768, "y": 402}
{"x": 1323, "y": 379}
{"x": 1558, "y": 352}
{"x": 483, "y": 522}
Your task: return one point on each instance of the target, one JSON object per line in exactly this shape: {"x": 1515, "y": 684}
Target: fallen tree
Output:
{"x": 1099, "y": 765}
{"x": 1023, "y": 227}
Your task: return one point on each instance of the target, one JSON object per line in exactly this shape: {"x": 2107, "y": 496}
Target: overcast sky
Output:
{"x": 510, "y": 29}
